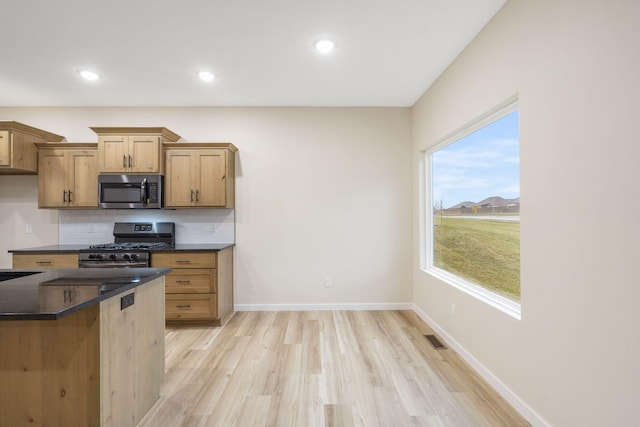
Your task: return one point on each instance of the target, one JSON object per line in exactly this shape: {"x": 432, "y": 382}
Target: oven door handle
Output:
{"x": 102, "y": 264}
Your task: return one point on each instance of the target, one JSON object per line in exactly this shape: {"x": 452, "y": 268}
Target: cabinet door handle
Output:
{"x": 197, "y": 195}
{"x": 183, "y": 306}
{"x": 64, "y": 196}
{"x": 124, "y": 161}
{"x": 192, "y": 195}
{"x": 69, "y": 196}
{"x": 129, "y": 161}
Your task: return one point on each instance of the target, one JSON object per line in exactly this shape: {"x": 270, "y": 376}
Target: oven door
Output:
{"x": 130, "y": 191}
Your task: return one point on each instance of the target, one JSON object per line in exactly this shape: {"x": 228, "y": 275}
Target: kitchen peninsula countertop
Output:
{"x": 51, "y": 294}
{"x": 191, "y": 247}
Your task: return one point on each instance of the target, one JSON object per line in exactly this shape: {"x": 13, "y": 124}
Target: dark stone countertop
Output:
{"x": 50, "y": 294}
{"x": 60, "y": 249}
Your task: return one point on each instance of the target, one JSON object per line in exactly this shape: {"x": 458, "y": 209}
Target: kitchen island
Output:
{"x": 80, "y": 346}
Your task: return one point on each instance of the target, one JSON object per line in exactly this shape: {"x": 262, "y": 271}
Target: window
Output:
{"x": 473, "y": 209}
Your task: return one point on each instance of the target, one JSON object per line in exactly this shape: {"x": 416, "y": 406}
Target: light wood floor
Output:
{"x": 320, "y": 368}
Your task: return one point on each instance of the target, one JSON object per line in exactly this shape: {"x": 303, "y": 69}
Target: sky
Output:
{"x": 483, "y": 164}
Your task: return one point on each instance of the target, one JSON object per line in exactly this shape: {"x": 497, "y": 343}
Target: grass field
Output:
{"x": 483, "y": 252}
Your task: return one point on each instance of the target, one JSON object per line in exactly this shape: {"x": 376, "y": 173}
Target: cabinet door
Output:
{"x": 52, "y": 186}
{"x": 114, "y": 153}
{"x": 5, "y": 148}
{"x": 211, "y": 178}
{"x": 179, "y": 186}
{"x": 83, "y": 171}
{"x": 145, "y": 154}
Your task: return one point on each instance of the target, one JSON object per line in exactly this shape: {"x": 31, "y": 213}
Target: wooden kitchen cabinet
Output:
{"x": 54, "y": 297}
{"x": 18, "y": 152}
{"x": 68, "y": 176}
{"x": 132, "y": 150}
{"x": 200, "y": 287}
{"x": 52, "y": 260}
{"x": 200, "y": 175}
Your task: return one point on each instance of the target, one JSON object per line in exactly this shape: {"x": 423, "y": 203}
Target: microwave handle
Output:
{"x": 143, "y": 192}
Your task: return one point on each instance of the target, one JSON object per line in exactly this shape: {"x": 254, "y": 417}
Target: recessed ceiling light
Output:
{"x": 206, "y": 76}
{"x": 324, "y": 45}
{"x": 89, "y": 75}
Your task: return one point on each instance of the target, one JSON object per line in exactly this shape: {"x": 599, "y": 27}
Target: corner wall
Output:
{"x": 573, "y": 358}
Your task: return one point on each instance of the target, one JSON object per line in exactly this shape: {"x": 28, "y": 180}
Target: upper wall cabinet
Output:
{"x": 18, "y": 153}
{"x": 68, "y": 176}
{"x": 132, "y": 150}
{"x": 200, "y": 175}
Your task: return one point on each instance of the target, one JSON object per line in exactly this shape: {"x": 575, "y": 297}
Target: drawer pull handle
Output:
{"x": 183, "y": 306}
{"x": 183, "y": 281}
{"x": 43, "y": 262}
{"x": 183, "y": 261}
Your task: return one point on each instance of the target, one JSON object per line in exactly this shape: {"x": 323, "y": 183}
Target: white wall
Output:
{"x": 574, "y": 358}
{"x": 319, "y": 192}
{"x": 19, "y": 208}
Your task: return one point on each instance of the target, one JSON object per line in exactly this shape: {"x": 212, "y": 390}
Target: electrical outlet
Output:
{"x": 453, "y": 310}
{"x": 327, "y": 282}
{"x": 28, "y": 229}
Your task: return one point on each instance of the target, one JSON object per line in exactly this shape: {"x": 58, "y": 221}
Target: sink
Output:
{"x": 8, "y": 275}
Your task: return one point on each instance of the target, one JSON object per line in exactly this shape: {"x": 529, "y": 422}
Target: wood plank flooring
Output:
{"x": 320, "y": 368}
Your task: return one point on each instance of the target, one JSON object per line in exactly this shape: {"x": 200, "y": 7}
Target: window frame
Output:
{"x": 501, "y": 303}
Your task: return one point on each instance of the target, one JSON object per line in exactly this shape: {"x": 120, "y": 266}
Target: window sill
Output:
{"x": 501, "y": 303}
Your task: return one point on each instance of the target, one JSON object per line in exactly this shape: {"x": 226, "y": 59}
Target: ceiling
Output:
{"x": 148, "y": 53}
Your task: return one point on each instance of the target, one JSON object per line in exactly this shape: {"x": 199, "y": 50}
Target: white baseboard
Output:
{"x": 323, "y": 307}
{"x": 519, "y": 405}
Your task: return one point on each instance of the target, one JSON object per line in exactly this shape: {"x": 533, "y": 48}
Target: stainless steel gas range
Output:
{"x": 131, "y": 246}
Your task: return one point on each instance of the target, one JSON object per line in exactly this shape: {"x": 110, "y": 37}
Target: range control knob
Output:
{"x": 113, "y": 256}
{"x": 126, "y": 256}
{"x": 134, "y": 256}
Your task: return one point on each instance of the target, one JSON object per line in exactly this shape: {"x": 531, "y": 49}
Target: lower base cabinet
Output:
{"x": 200, "y": 287}
{"x": 34, "y": 261}
{"x": 100, "y": 366}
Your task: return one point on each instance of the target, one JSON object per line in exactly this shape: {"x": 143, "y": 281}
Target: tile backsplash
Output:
{"x": 79, "y": 227}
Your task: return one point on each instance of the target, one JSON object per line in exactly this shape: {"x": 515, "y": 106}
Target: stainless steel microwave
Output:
{"x": 130, "y": 191}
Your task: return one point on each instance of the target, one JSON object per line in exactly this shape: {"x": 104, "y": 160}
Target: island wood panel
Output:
{"x": 150, "y": 346}
{"x": 34, "y": 261}
{"x": 132, "y": 343}
{"x": 50, "y": 371}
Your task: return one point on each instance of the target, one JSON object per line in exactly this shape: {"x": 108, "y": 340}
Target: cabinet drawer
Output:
{"x": 30, "y": 261}
{"x": 183, "y": 280}
{"x": 191, "y": 306}
{"x": 184, "y": 260}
